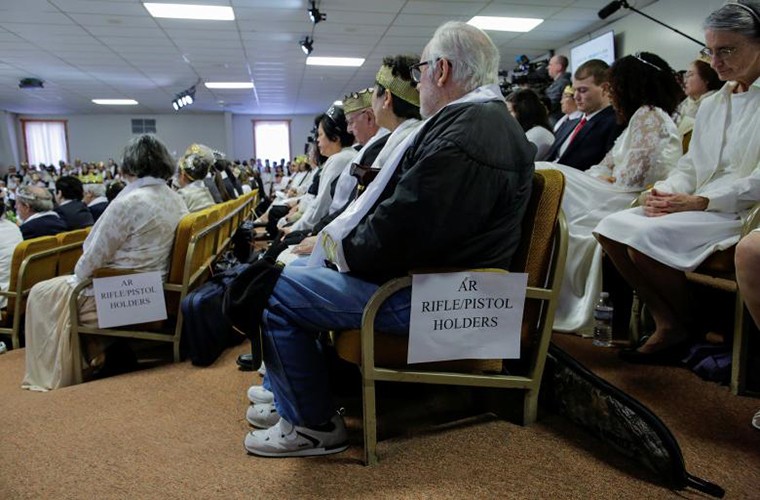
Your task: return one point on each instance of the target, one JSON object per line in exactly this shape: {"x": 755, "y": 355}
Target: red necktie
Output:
{"x": 577, "y": 129}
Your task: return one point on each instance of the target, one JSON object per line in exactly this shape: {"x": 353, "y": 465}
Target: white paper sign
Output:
{"x": 129, "y": 299}
{"x": 466, "y": 315}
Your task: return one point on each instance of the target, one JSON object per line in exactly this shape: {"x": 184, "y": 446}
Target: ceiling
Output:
{"x": 88, "y": 49}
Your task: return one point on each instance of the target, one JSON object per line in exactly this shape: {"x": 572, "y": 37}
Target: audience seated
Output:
{"x": 10, "y": 236}
{"x": 95, "y": 198}
{"x": 69, "y": 193}
{"x": 584, "y": 142}
{"x": 34, "y": 206}
{"x": 645, "y": 94}
{"x": 135, "y": 233}
{"x": 334, "y": 141}
{"x": 451, "y": 195}
{"x": 700, "y": 82}
{"x": 698, "y": 209}
{"x": 531, "y": 114}
{"x": 193, "y": 168}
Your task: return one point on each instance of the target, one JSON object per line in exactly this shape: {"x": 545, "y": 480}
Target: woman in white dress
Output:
{"x": 193, "y": 168}
{"x": 699, "y": 208}
{"x": 136, "y": 233}
{"x": 533, "y": 117}
{"x": 644, "y": 153}
{"x": 700, "y": 82}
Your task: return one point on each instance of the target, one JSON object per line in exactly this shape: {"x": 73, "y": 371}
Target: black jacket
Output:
{"x": 97, "y": 209}
{"x": 47, "y": 225}
{"x": 592, "y": 142}
{"x": 458, "y": 198}
{"x": 75, "y": 214}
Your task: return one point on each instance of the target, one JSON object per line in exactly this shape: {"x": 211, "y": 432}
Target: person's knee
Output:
{"x": 747, "y": 256}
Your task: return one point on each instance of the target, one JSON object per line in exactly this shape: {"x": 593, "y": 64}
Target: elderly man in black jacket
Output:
{"x": 453, "y": 195}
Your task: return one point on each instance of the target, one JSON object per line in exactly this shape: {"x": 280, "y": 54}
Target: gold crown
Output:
{"x": 569, "y": 90}
{"x": 357, "y": 101}
{"x": 397, "y": 86}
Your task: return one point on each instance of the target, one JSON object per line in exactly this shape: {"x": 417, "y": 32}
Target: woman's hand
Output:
{"x": 658, "y": 203}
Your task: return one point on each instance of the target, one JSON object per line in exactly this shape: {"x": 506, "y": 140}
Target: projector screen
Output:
{"x": 601, "y": 47}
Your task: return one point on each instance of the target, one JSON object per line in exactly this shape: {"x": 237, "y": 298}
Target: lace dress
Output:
{"x": 644, "y": 153}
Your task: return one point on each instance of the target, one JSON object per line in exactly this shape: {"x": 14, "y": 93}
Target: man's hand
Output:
{"x": 306, "y": 246}
{"x": 658, "y": 203}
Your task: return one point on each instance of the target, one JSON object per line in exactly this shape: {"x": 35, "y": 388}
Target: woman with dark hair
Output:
{"x": 334, "y": 142}
{"x": 698, "y": 209}
{"x": 526, "y": 106}
{"x": 135, "y": 233}
{"x": 644, "y": 94}
{"x": 700, "y": 82}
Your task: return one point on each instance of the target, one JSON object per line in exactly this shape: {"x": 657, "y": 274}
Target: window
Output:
{"x": 271, "y": 139}
{"x": 45, "y": 141}
{"x": 143, "y": 126}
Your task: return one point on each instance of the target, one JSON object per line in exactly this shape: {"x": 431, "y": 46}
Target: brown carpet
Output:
{"x": 176, "y": 431}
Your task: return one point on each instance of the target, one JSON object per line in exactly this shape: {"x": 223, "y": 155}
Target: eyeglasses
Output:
{"x": 350, "y": 120}
{"x": 416, "y": 71}
{"x": 723, "y": 53}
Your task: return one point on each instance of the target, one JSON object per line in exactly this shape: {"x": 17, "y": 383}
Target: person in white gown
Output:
{"x": 644, "y": 153}
{"x": 699, "y": 208}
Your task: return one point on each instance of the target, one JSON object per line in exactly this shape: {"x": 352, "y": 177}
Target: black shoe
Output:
{"x": 120, "y": 358}
{"x": 260, "y": 224}
{"x": 671, "y": 355}
{"x": 245, "y": 362}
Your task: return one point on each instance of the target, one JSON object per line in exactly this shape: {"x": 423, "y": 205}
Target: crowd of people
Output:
{"x": 431, "y": 167}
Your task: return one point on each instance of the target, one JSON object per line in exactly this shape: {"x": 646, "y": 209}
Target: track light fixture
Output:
{"x": 184, "y": 98}
{"x": 307, "y": 45}
{"x": 314, "y": 15}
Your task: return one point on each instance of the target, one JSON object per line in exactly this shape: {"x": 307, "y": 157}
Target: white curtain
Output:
{"x": 271, "y": 140}
{"x": 45, "y": 142}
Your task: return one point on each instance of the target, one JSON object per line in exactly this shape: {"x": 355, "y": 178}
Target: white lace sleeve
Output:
{"x": 604, "y": 169}
{"x": 650, "y": 148}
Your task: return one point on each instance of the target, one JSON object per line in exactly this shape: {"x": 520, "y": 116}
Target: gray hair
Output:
{"x": 473, "y": 56}
{"x": 146, "y": 156}
{"x": 38, "y": 199}
{"x": 97, "y": 190}
{"x": 742, "y": 18}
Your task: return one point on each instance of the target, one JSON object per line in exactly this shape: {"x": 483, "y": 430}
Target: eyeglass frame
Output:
{"x": 722, "y": 53}
{"x": 355, "y": 116}
{"x": 416, "y": 73}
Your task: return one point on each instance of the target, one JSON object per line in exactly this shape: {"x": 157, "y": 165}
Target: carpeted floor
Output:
{"x": 176, "y": 431}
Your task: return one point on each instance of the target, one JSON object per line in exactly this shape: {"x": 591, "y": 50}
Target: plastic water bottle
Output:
{"x": 603, "y": 312}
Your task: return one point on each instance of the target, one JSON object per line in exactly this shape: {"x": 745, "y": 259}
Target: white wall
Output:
{"x": 634, "y": 32}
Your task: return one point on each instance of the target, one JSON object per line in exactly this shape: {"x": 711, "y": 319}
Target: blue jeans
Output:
{"x": 306, "y": 301}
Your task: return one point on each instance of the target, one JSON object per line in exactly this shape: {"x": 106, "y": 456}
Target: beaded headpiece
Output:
{"x": 397, "y": 86}
{"x": 357, "y": 101}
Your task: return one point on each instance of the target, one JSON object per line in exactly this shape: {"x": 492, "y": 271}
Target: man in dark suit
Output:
{"x": 95, "y": 199}
{"x": 584, "y": 142}
{"x": 35, "y": 207}
{"x": 69, "y": 193}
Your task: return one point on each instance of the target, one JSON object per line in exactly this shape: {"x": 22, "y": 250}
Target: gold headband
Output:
{"x": 399, "y": 87}
{"x": 357, "y": 101}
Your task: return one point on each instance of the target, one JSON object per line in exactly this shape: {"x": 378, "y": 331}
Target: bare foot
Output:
{"x": 662, "y": 339}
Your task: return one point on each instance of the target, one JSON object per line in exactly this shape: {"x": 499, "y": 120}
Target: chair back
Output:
{"x": 28, "y": 275}
{"x": 67, "y": 258}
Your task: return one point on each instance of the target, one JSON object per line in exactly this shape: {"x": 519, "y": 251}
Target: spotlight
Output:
{"x": 314, "y": 15}
{"x": 184, "y": 98}
{"x": 307, "y": 45}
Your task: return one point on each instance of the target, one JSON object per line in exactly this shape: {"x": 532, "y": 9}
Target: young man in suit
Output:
{"x": 583, "y": 142}
{"x": 69, "y": 192}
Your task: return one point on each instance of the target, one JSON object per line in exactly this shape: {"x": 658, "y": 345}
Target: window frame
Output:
{"x": 24, "y": 121}
{"x": 287, "y": 121}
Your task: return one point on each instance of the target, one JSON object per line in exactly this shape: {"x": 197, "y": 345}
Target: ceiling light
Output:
{"x": 187, "y": 11}
{"x": 115, "y": 102}
{"x": 228, "y": 85}
{"x": 517, "y": 24}
{"x": 314, "y": 15}
{"x": 307, "y": 45}
{"x": 334, "y": 61}
{"x": 184, "y": 98}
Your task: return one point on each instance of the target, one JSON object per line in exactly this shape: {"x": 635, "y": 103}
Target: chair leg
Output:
{"x": 76, "y": 348}
{"x": 370, "y": 422}
{"x": 176, "y": 351}
{"x": 740, "y": 346}
{"x": 530, "y": 407}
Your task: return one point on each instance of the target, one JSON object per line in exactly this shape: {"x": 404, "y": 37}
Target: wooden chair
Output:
{"x": 196, "y": 247}
{"x": 541, "y": 254}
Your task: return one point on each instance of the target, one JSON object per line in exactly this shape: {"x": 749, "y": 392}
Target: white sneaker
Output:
{"x": 286, "y": 440}
{"x": 756, "y": 420}
{"x": 257, "y": 395}
{"x": 262, "y": 369}
{"x": 262, "y": 415}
